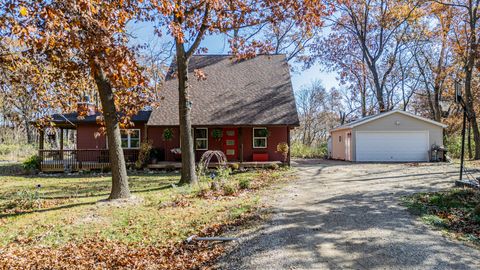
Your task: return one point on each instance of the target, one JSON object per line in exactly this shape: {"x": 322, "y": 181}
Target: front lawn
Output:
{"x": 45, "y": 218}
{"x": 452, "y": 211}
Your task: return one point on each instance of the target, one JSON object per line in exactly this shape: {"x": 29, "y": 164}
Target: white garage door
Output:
{"x": 392, "y": 146}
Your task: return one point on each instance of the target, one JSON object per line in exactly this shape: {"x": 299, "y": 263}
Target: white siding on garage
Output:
{"x": 387, "y": 146}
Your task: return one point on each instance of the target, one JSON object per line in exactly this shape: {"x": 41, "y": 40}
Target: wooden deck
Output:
{"x": 98, "y": 159}
{"x": 80, "y": 159}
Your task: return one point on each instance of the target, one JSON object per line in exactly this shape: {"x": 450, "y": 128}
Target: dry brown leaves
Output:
{"x": 104, "y": 254}
{"x": 18, "y": 206}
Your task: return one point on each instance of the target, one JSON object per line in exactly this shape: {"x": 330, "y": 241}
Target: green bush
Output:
{"x": 234, "y": 166}
{"x": 454, "y": 146}
{"x": 32, "y": 163}
{"x": 299, "y": 150}
{"x": 229, "y": 189}
{"x": 244, "y": 184}
{"x": 223, "y": 173}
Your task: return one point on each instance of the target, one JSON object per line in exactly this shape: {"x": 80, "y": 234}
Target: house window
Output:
{"x": 260, "y": 137}
{"x": 201, "y": 138}
{"x": 340, "y": 138}
{"x": 130, "y": 138}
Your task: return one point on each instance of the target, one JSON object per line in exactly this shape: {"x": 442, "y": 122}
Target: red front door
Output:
{"x": 230, "y": 143}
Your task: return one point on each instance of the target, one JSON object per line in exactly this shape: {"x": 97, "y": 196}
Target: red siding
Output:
{"x": 86, "y": 140}
{"x": 155, "y": 134}
{"x": 276, "y": 136}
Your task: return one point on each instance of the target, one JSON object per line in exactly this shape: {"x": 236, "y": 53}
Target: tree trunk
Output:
{"x": 120, "y": 187}
{"x": 469, "y": 104}
{"x": 189, "y": 175}
{"x": 363, "y": 89}
{"x": 470, "y": 65}
{"x": 28, "y": 130}
{"x": 378, "y": 90}
{"x": 469, "y": 142}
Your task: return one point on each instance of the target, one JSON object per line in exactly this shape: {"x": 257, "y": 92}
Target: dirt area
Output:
{"x": 344, "y": 215}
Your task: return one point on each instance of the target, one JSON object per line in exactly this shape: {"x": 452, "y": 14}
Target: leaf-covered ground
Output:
{"x": 452, "y": 211}
{"x": 62, "y": 222}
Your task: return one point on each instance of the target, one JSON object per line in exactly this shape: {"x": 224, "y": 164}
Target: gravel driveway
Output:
{"x": 340, "y": 215}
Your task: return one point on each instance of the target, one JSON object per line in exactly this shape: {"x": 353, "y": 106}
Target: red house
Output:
{"x": 244, "y": 109}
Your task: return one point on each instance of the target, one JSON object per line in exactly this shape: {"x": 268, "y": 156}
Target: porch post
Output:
{"x": 289, "y": 146}
{"x": 61, "y": 143}
{"x": 41, "y": 139}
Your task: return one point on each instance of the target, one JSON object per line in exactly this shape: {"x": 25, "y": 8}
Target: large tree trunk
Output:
{"x": 469, "y": 103}
{"x": 189, "y": 175}
{"x": 470, "y": 65}
{"x": 117, "y": 161}
{"x": 469, "y": 141}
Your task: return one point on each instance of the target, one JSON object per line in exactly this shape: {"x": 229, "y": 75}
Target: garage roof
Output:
{"x": 371, "y": 118}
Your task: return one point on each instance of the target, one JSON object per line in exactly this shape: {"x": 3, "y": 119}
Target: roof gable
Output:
{"x": 372, "y": 118}
{"x": 257, "y": 91}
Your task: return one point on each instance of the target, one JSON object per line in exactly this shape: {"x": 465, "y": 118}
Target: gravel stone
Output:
{"x": 349, "y": 216}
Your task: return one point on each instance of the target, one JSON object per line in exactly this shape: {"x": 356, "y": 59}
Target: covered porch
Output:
{"x": 60, "y": 159}
{"x": 80, "y": 159}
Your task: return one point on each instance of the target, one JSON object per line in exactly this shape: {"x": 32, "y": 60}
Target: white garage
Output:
{"x": 394, "y": 136}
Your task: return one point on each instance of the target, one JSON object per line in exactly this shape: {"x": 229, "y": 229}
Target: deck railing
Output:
{"x": 81, "y": 159}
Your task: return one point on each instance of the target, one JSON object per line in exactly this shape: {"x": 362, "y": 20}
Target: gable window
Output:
{"x": 130, "y": 138}
{"x": 260, "y": 137}
{"x": 201, "y": 138}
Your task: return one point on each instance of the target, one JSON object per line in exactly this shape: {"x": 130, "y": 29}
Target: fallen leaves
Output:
{"x": 105, "y": 254}
{"x": 455, "y": 209}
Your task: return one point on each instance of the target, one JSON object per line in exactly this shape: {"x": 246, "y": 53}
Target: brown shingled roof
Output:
{"x": 251, "y": 92}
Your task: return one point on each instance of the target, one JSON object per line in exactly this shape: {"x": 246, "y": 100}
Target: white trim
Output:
{"x": 426, "y": 132}
{"x": 390, "y": 113}
{"x": 129, "y": 138}
{"x": 139, "y": 138}
{"x": 202, "y": 139}
{"x": 253, "y": 138}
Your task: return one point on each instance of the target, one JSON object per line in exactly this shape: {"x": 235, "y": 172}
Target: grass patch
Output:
{"x": 59, "y": 212}
{"x": 16, "y": 152}
{"x": 453, "y": 211}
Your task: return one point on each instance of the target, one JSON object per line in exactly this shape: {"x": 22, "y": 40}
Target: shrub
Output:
{"x": 144, "y": 154}
{"x": 234, "y": 166}
{"x": 244, "y": 184}
{"x": 215, "y": 186}
{"x": 32, "y": 163}
{"x": 223, "y": 173}
{"x": 229, "y": 189}
{"x": 273, "y": 166}
{"x": 454, "y": 146}
{"x": 300, "y": 150}
{"x": 283, "y": 148}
